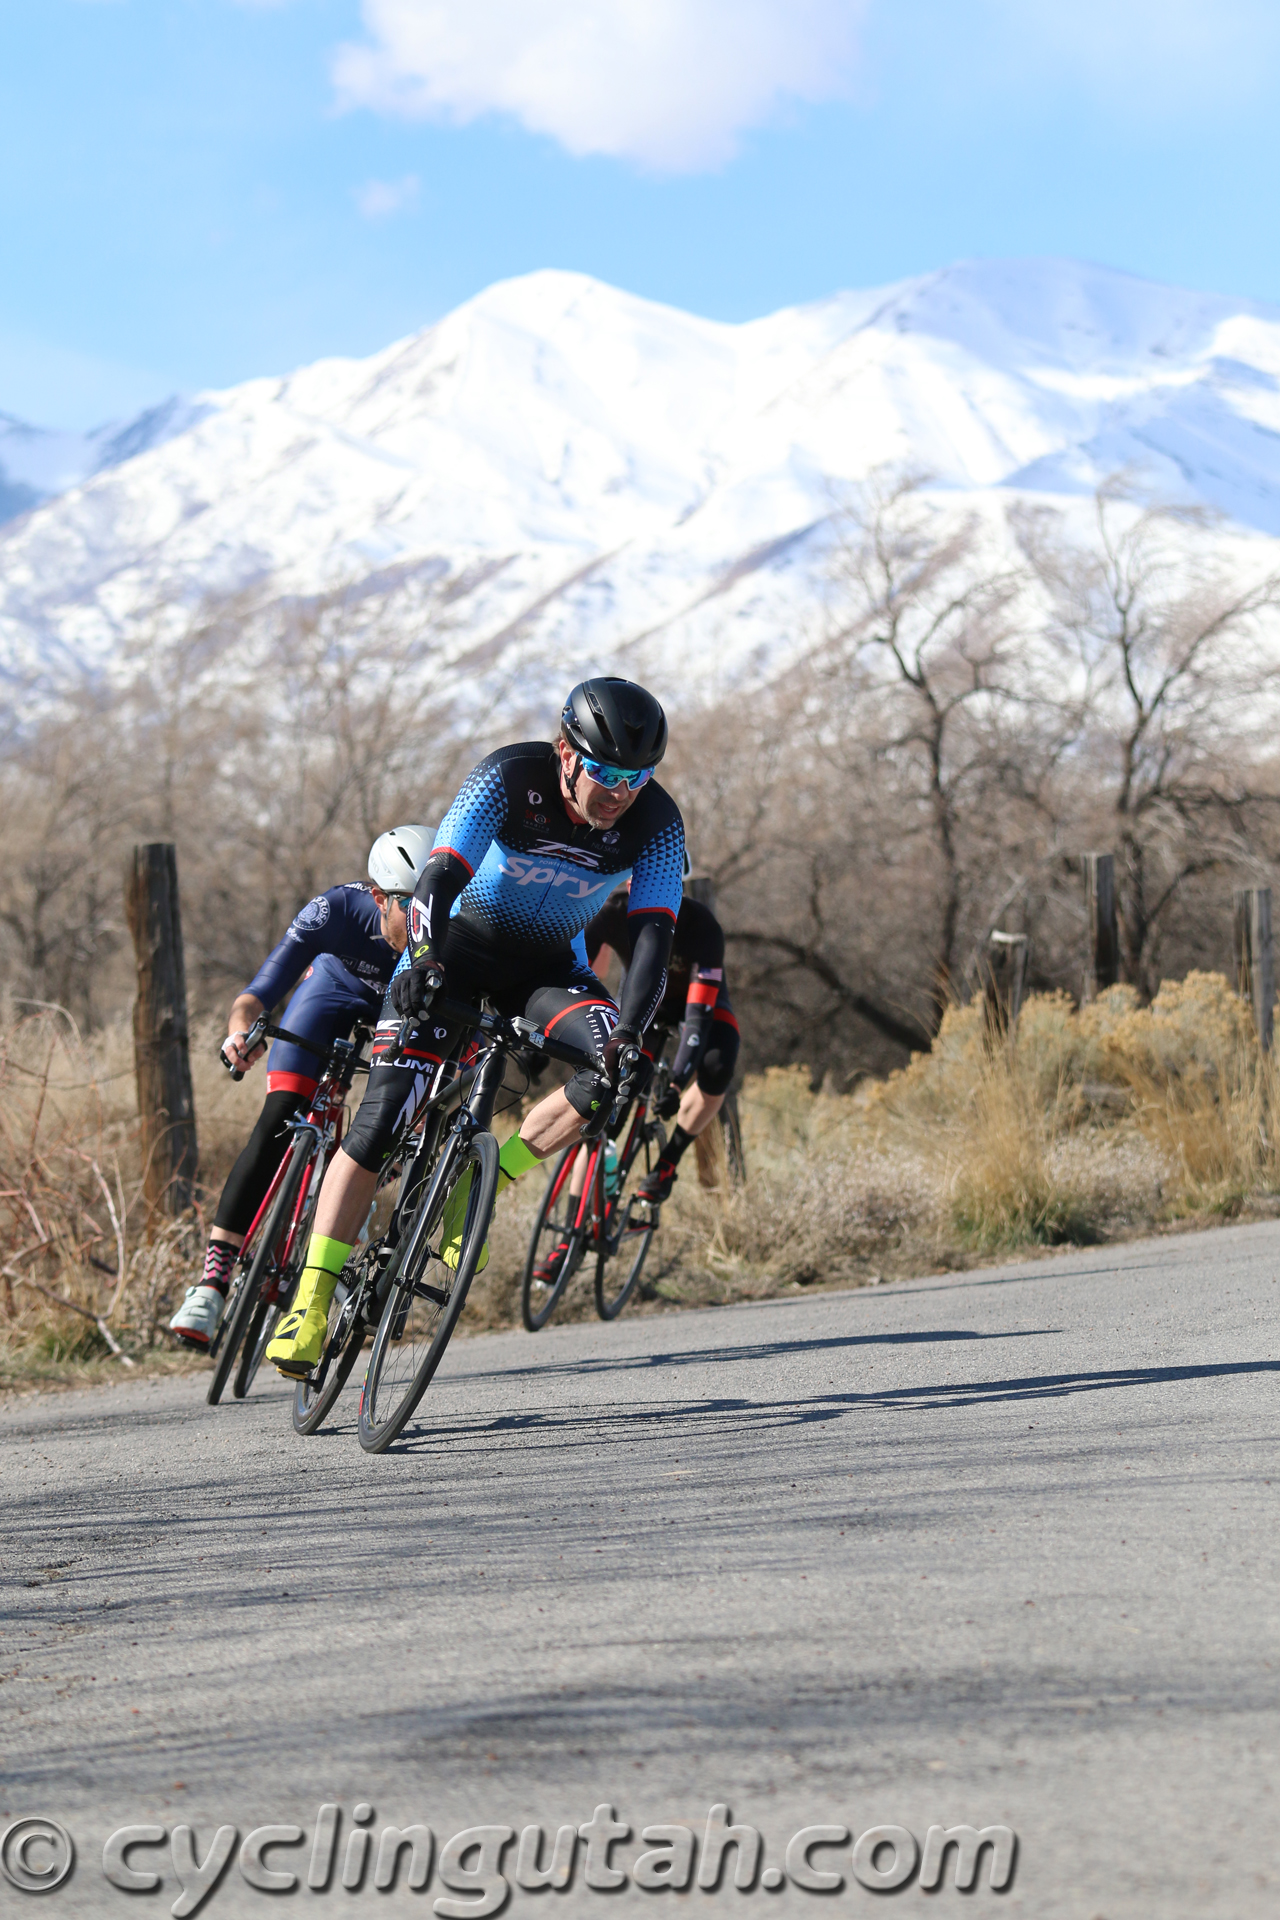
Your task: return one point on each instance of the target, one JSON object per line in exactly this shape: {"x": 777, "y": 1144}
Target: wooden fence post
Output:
{"x": 1255, "y": 957}
{"x": 1102, "y": 968}
{"x": 1004, "y": 975}
{"x": 162, "y": 1060}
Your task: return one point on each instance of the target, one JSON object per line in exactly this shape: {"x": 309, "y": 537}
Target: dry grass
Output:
{"x": 1096, "y": 1123}
{"x": 88, "y": 1279}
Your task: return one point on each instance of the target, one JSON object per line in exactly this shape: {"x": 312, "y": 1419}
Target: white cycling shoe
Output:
{"x": 199, "y": 1316}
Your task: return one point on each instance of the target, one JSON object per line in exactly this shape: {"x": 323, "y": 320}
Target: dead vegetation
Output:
{"x": 979, "y": 700}
{"x": 1097, "y": 1122}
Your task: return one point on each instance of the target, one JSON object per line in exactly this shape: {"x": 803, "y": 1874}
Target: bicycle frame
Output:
{"x": 593, "y": 1186}
{"x": 324, "y": 1120}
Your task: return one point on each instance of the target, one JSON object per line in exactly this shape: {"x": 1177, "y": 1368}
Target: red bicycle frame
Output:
{"x": 589, "y": 1181}
{"x": 326, "y": 1109}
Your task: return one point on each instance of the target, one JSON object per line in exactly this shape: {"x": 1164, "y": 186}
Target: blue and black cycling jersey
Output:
{"x": 334, "y": 946}
{"x": 524, "y": 879}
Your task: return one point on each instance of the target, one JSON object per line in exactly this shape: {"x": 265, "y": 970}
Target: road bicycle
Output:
{"x": 361, "y": 1291}
{"x": 269, "y": 1264}
{"x": 412, "y": 1282}
{"x": 607, "y": 1216}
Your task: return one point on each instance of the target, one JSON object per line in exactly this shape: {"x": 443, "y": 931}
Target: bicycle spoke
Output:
{"x": 557, "y": 1243}
{"x": 420, "y": 1313}
{"x": 629, "y": 1226}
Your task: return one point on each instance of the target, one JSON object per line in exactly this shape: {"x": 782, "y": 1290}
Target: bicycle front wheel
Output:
{"x": 274, "y": 1302}
{"x": 242, "y": 1310}
{"x": 427, "y": 1293}
{"x": 630, "y": 1223}
{"x": 555, "y": 1245}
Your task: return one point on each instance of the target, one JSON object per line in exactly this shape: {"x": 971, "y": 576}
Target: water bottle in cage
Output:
{"x": 610, "y": 1168}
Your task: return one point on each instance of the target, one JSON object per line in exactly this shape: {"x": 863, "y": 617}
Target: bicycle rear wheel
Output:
{"x": 316, "y": 1393}
{"x": 242, "y": 1309}
{"x": 254, "y": 1345}
{"x": 425, "y": 1296}
{"x": 266, "y": 1318}
{"x": 734, "y": 1154}
{"x": 554, "y": 1229}
{"x": 628, "y": 1230}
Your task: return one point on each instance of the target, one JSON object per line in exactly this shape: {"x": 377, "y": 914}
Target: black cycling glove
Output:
{"x": 413, "y": 992}
{"x": 618, "y": 1042}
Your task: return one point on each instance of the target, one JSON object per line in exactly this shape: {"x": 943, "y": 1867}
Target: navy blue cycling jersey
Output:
{"x": 343, "y": 922}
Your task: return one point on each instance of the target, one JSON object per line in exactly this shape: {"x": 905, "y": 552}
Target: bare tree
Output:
{"x": 271, "y": 740}
{"x": 1174, "y": 659}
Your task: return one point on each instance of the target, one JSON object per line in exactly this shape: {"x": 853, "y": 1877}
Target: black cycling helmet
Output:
{"x": 616, "y": 721}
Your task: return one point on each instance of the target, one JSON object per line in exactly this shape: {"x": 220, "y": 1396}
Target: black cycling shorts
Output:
{"x": 557, "y": 990}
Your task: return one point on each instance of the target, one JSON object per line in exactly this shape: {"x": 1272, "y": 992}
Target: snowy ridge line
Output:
{"x": 590, "y": 474}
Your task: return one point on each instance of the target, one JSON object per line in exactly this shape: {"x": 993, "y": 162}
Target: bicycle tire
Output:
{"x": 242, "y": 1312}
{"x": 536, "y": 1316}
{"x": 734, "y": 1152}
{"x": 405, "y": 1357}
{"x": 269, "y": 1313}
{"x": 253, "y": 1346}
{"x": 628, "y": 1226}
{"x": 311, "y": 1407}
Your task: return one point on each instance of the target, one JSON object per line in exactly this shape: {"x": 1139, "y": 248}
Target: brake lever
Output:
{"x": 630, "y": 1059}
{"x": 252, "y": 1040}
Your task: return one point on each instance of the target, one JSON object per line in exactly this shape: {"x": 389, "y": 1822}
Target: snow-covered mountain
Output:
{"x": 37, "y": 463}
{"x": 605, "y": 480}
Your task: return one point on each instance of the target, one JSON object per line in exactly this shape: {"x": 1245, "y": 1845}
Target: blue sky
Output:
{"x": 193, "y": 192}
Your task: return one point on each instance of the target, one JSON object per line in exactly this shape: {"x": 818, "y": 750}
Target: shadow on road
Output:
{"x": 766, "y": 1350}
{"x": 569, "y": 1426}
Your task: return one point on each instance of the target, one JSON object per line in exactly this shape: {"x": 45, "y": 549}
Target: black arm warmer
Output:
{"x": 646, "y": 980}
{"x": 443, "y": 879}
{"x": 694, "y": 1031}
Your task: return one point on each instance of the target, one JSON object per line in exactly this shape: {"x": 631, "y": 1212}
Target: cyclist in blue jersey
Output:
{"x": 536, "y": 840}
{"x": 342, "y": 947}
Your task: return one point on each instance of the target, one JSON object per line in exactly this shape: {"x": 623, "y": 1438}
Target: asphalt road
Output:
{"x": 995, "y": 1549}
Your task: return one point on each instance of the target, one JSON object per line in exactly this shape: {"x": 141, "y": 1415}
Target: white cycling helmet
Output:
{"x": 397, "y": 857}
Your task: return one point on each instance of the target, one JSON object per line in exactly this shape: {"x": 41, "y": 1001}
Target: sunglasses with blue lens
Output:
{"x": 604, "y": 776}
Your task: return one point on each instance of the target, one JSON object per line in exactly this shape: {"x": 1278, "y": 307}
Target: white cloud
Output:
{"x": 379, "y": 199}
{"x": 671, "y": 84}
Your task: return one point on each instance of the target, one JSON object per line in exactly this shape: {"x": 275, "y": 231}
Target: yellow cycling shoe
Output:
{"x": 299, "y": 1339}
{"x": 452, "y": 1222}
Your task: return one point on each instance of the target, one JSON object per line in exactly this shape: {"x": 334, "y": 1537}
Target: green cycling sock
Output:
{"x": 329, "y": 1255}
{"x": 514, "y": 1160}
